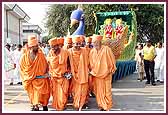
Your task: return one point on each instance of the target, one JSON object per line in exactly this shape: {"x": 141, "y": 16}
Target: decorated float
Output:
{"x": 119, "y": 31}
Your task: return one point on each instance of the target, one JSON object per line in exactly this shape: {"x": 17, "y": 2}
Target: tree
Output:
{"x": 150, "y": 18}
{"x": 46, "y": 38}
{"x": 150, "y": 21}
{"x": 58, "y": 19}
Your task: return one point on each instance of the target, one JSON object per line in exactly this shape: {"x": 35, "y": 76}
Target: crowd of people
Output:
{"x": 150, "y": 62}
{"x": 12, "y": 55}
{"x": 73, "y": 67}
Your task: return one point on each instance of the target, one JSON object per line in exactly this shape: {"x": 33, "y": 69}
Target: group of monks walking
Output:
{"x": 74, "y": 69}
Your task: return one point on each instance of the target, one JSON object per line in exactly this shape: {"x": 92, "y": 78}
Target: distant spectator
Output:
{"x": 8, "y": 64}
{"x": 159, "y": 62}
{"x": 149, "y": 54}
{"x": 45, "y": 49}
{"x": 140, "y": 62}
{"x": 17, "y": 55}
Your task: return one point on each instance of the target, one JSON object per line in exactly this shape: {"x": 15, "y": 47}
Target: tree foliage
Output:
{"x": 150, "y": 18}
{"x": 46, "y": 38}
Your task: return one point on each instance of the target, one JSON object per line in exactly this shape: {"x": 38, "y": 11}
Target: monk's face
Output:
{"x": 77, "y": 45}
{"x": 69, "y": 45}
{"x": 55, "y": 47}
{"x": 89, "y": 44}
{"x": 96, "y": 44}
{"x": 83, "y": 44}
{"x": 35, "y": 48}
{"x": 61, "y": 45}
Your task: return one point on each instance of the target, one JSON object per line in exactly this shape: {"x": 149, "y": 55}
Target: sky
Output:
{"x": 36, "y": 11}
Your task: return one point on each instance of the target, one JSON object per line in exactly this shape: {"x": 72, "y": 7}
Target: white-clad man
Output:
{"x": 159, "y": 62}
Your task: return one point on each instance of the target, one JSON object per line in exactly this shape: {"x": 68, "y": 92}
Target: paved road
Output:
{"x": 128, "y": 95}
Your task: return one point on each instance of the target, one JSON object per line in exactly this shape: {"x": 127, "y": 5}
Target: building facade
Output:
{"x": 14, "y": 16}
{"x": 29, "y": 29}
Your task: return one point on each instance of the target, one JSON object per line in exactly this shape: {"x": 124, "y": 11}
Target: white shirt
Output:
{"x": 45, "y": 50}
{"x": 159, "y": 60}
{"x": 17, "y": 55}
{"x": 8, "y": 58}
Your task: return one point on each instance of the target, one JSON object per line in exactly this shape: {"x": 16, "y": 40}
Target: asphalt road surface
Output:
{"x": 129, "y": 94}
